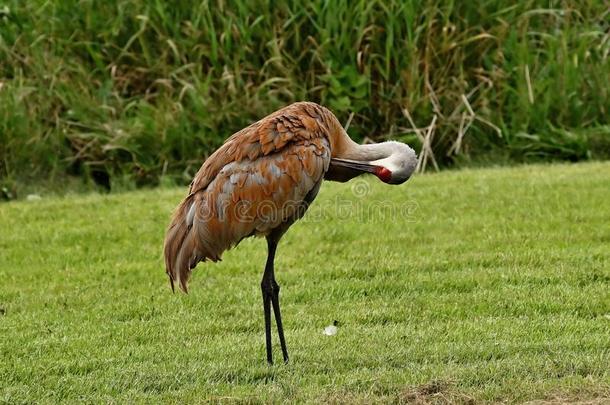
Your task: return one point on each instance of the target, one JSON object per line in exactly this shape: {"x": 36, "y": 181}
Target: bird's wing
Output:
{"x": 255, "y": 197}
{"x": 267, "y": 172}
{"x": 296, "y": 122}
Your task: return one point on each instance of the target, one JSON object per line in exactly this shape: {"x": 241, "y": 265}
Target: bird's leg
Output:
{"x": 267, "y": 309}
{"x": 271, "y": 291}
{"x": 275, "y": 300}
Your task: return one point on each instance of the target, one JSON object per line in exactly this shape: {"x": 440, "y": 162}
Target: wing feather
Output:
{"x": 256, "y": 181}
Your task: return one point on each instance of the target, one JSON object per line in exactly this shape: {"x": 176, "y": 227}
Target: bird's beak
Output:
{"x": 350, "y": 164}
{"x": 381, "y": 172}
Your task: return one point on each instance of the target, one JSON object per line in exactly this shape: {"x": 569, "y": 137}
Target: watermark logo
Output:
{"x": 361, "y": 205}
{"x": 361, "y": 188}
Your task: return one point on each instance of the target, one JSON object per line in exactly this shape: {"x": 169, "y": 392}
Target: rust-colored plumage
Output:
{"x": 270, "y": 165}
{"x": 260, "y": 181}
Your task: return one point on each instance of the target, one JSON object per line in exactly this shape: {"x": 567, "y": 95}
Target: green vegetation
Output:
{"x": 492, "y": 284}
{"x": 128, "y": 92}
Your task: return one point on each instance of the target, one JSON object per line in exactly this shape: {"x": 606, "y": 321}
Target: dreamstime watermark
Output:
{"x": 361, "y": 188}
{"x": 360, "y": 206}
{"x": 345, "y": 209}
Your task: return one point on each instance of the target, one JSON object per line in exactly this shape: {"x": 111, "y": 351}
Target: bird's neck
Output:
{"x": 342, "y": 146}
{"x": 370, "y": 152}
{"x": 346, "y": 148}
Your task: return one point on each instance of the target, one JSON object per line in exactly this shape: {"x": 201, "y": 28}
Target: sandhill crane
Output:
{"x": 261, "y": 180}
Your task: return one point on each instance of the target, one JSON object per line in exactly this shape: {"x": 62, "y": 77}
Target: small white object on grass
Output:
{"x": 33, "y": 197}
{"x": 330, "y": 330}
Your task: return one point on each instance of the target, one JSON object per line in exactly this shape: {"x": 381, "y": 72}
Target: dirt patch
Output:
{"x": 435, "y": 392}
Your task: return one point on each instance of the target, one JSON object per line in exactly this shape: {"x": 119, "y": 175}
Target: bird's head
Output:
{"x": 398, "y": 166}
{"x": 392, "y": 162}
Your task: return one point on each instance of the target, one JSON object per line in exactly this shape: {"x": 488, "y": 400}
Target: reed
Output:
{"x": 130, "y": 92}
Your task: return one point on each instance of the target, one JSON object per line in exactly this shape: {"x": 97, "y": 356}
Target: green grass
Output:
{"x": 133, "y": 90}
{"x": 487, "y": 284}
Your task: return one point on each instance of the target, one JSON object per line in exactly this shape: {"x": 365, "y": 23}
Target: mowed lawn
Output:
{"x": 484, "y": 285}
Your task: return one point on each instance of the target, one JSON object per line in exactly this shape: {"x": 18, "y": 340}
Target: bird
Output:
{"x": 260, "y": 181}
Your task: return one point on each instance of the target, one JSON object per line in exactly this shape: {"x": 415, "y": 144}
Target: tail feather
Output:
{"x": 189, "y": 240}
{"x": 181, "y": 246}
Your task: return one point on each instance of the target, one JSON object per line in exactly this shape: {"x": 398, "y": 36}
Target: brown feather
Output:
{"x": 250, "y": 185}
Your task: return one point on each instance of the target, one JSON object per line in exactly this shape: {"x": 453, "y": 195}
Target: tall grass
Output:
{"x": 130, "y": 91}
